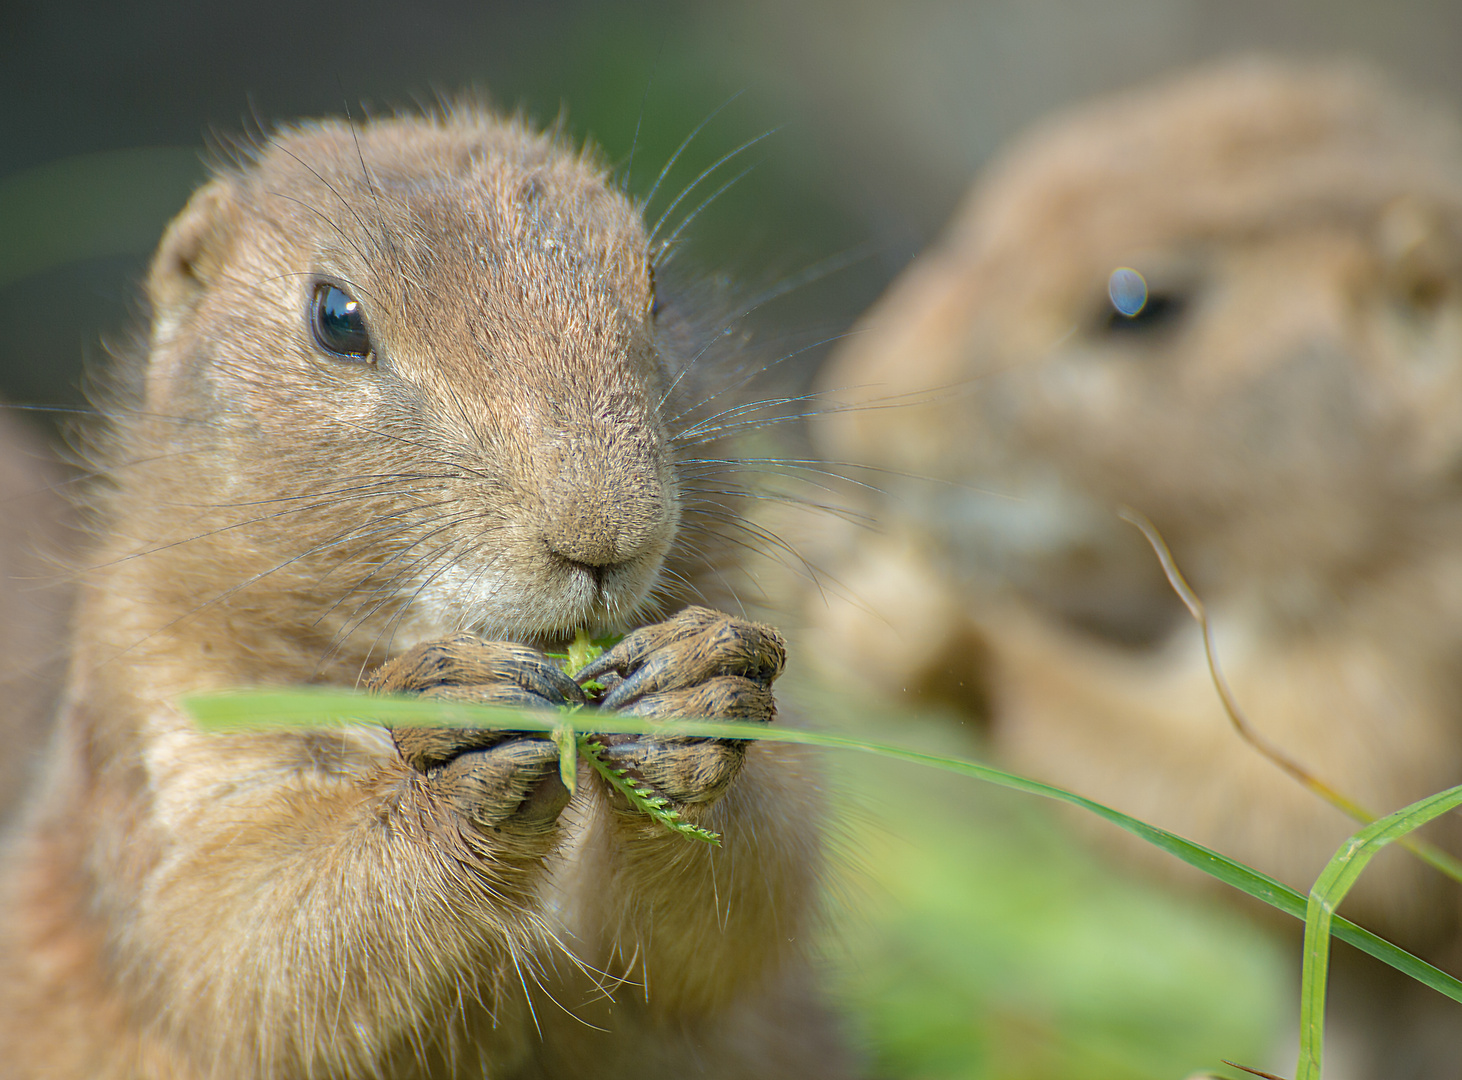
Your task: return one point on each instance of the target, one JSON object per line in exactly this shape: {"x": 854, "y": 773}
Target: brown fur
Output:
{"x": 1294, "y": 429}
{"x": 33, "y": 536}
{"x": 508, "y": 467}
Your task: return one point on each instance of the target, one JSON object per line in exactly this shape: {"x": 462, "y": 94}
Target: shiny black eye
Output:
{"x": 338, "y": 323}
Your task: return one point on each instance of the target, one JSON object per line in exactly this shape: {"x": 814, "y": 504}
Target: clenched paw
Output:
{"x": 490, "y": 777}
{"x": 700, "y": 664}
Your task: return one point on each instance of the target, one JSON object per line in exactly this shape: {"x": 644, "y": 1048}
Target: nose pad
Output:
{"x": 607, "y": 507}
{"x": 597, "y": 535}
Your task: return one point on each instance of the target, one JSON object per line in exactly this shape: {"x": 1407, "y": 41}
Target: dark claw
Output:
{"x": 630, "y": 653}
{"x": 696, "y": 645}
{"x": 632, "y": 686}
{"x": 539, "y": 675}
{"x": 623, "y": 657}
{"x": 700, "y": 663}
{"x": 465, "y": 660}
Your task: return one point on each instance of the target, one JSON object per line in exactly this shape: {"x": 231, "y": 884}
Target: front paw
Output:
{"x": 699, "y": 664}
{"x": 490, "y": 777}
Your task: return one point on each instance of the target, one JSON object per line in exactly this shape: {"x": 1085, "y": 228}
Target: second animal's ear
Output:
{"x": 191, "y": 253}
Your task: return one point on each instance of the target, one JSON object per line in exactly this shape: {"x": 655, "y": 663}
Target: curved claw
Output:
{"x": 647, "y": 677}
{"x": 466, "y": 660}
{"x": 700, "y": 663}
{"x": 695, "y": 646}
{"x": 626, "y": 656}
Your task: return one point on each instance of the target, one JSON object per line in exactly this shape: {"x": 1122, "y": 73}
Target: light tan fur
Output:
{"x": 1291, "y": 422}
{"x": 509, "y": 463}
{"x": 34, "y": 534}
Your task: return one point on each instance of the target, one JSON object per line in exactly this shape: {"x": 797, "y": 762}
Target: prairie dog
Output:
{"x": 409, "y": 395}
{"x": 33, "y": 538}
{"x": 1286, "y": 408}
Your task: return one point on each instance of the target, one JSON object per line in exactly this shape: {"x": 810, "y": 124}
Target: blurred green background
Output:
{"x": 881, "y": 113}
{"x": 980, "y": 939}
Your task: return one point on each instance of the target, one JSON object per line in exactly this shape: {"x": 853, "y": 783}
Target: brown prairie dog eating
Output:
{"x": 409, "y": 395}
{"x": 1286, "y": 408}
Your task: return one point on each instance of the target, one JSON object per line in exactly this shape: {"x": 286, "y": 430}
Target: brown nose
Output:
{"x": 607, "y": 506}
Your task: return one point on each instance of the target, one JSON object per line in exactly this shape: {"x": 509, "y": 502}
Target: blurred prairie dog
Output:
{"x": 409, "y": 393}
{"x": 33, "y": 598}
{"x": 1286, "y": 408}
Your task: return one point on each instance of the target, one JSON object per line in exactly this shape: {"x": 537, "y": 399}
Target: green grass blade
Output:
{"x": 568, "y": 756}
{"x": 1428, "y": 853}
{"x": 261, "y": 709}
{"x": 1330, "y": 888}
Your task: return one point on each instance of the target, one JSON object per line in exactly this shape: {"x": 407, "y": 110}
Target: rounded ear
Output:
{"x": 191, "y": 252}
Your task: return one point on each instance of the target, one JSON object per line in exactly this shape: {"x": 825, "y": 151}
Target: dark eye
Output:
{"x": 1135, "y": 309}
{"x": 338, "y": 323}
{"x": 1161, "y": 310}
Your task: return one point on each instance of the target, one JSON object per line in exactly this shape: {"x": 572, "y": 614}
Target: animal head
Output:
{"x": 1286, "y": 404}
{"x": 404, "y": 378}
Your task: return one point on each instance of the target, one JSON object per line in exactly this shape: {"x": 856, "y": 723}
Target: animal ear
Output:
{"x": 191, "y": 253}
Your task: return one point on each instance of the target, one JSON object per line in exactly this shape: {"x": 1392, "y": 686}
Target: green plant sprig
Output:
{"x": 255, "y": 710}
{"x": 643, "y": 798}
{"x": 1344, "y": 868}
{"x": 572, "y": 745}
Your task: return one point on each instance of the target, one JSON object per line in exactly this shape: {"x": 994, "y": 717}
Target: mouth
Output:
{"x": 556, "y": 644}
{"x": 599, "y": 601}
{"x": 543, "y": 610}
{"x": 598, "y": 631}
{"x": 597, "y": 623}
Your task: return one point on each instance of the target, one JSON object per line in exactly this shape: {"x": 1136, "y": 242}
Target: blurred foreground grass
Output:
{"x": 985, "y": 942}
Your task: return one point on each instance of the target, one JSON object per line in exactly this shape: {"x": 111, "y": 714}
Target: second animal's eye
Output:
{"x": 1160, "y": 311}
{"x": 1135, "y": 309}
{"x": 338, "y": 324}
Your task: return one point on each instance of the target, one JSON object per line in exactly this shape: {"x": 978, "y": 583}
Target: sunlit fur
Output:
{"x": 1291, "y": 422}
{"x": 293, "y": 905}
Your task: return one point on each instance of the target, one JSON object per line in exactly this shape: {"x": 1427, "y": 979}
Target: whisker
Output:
{"x": 670, "y": 164}
{"x": 233, "y": 590}
{"x": 669, "y": 241}
{"x": 302, "y": 204}
{"x": 828, "y": 467}
{"x": 365, "y": 174}
{"x": 705, "y": 173}
{"x": 809, "y": 275}
{"x": 333, "y": 191}
{"x": 849, "y": 514}
{"x": 227, "y": 528}
{"x": 634, "y": 142}
{"x": 744, "y": 380}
